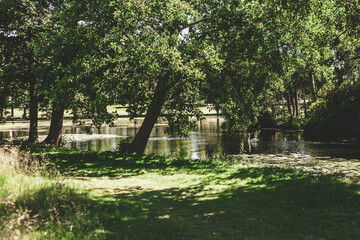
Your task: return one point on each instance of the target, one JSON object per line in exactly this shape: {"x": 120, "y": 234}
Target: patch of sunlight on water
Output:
{"x": 208, "y": 141}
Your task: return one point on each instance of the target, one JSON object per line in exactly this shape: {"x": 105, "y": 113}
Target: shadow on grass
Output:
{"x": 250, "y": 203}
{"x": 294, "y": 206}
{"x": 110, "y": 164}
{"x": 274, "y": 203}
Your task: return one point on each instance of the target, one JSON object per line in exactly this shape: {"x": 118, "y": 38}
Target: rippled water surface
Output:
{"x": 208, "y": 140}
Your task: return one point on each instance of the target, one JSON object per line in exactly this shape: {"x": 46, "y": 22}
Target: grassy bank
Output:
{"x": 113, "y": 196}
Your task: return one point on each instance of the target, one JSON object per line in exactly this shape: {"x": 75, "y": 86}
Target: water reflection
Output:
{"x": 207, "y": 141}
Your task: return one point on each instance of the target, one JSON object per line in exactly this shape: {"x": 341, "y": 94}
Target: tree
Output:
{"x": 273, "y": 51}
{"x": 21, "y": 25}
{"x": 162, "y": 58}
{"x": 335, "y": 113}
{"x": 77, "y": 33}
{"x": 244, "y": 34}
{"x": 159, "y": 63}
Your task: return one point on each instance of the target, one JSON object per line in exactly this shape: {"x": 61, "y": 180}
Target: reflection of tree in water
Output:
{"x": 13, "y": 133}
{"x": 207, "y": 141}
{"x": 231, "y": 144}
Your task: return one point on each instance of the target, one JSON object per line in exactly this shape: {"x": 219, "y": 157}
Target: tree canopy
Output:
{"x": 258, "y": 63}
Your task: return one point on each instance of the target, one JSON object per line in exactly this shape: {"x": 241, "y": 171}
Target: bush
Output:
{"x": 336, "y": 115}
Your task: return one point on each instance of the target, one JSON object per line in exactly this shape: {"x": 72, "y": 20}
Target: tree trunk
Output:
{"x": 12, "y": 108}
{"x": 313, "y": 87}
{"x": 56, "y": 126}
{"x": 3, "y": 96}
{"x": 288, "y": 103}
{"x": 24, "y": 113}
{"x": 296, "y": 102}
{"x": 304, "y": 98}
{"x": 75, "y": 115}
{"x": 153, "y": 112}
{"x": 33, "y": 113}
{"x": 292, "y": 101}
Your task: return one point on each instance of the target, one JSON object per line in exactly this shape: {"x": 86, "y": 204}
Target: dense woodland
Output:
{"x": 258, "y": 63}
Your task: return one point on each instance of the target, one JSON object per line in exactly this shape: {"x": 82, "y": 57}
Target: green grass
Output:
{"x": 113, "y": 196}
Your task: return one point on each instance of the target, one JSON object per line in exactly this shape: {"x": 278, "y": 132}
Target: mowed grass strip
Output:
{"x": 115, "y": 196}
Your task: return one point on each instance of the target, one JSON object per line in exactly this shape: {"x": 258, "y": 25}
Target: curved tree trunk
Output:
{"x": 33, "y": 113}
{"x": 56, "y": 126}
{"x": 153, "y": 112}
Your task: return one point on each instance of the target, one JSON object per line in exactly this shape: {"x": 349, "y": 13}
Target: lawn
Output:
{"x": 91, "y": 195}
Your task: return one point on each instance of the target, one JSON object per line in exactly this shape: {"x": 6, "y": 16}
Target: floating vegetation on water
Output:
{"x": 324, "y": 164}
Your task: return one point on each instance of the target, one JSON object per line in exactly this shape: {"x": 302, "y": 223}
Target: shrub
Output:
{"x": 336, "y": 115}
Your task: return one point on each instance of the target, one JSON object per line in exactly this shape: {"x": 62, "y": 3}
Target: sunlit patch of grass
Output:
{"x": 255, "y": 203}
{"x": 243, "y": 203}
{"x": 3, "y": 191}
{"x": 36, "y": 205}
{"x": 148, "y": 197}
{"x": 46, "y": 207}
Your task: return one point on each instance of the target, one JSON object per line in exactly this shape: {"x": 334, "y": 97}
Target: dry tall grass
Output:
{"x": 31, "y": 196}
{"x": 15, "y": 168}
{"x": 13, "y": 161}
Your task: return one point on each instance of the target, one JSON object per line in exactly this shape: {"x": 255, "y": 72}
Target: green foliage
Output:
{"x": 336, "y": 114}
{"x": 247, "y": 58}
{"x": 156, "y": 52}
{"x": 124, "y": 145}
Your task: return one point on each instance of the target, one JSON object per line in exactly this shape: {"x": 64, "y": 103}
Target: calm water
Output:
{"x": 208, "y": 140}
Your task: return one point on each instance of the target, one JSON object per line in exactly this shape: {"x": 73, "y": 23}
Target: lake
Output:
{"x": 207, "y": 141}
